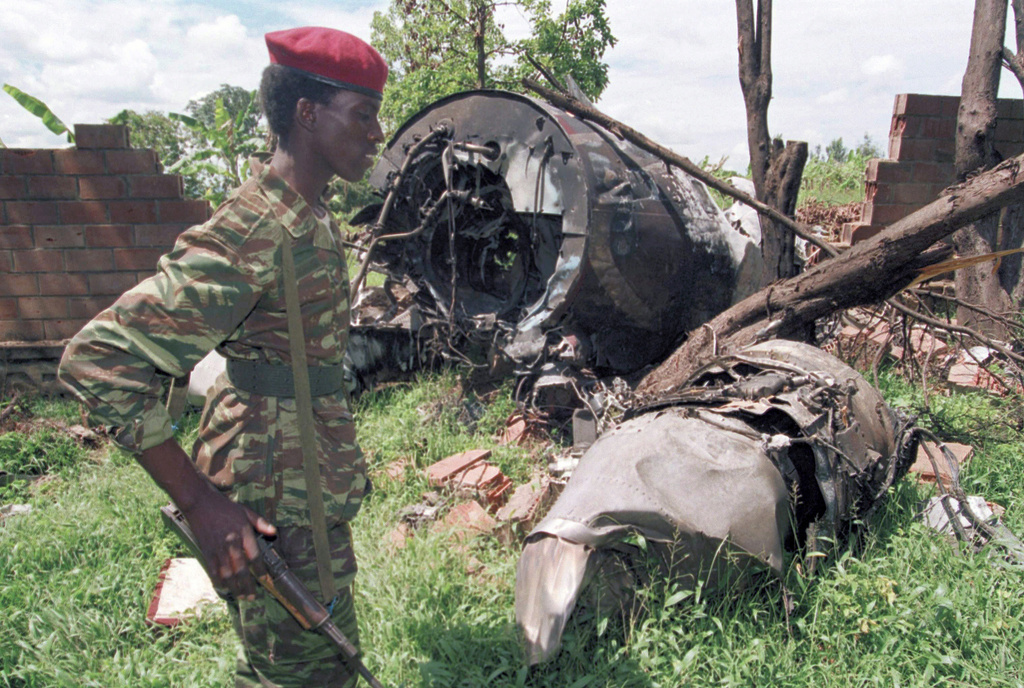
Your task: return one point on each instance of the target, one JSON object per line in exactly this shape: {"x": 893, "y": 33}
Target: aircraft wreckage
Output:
{"x": 513, "y": 229}
{"x": 778, "y": 447}
{"x": 512, "y": 225}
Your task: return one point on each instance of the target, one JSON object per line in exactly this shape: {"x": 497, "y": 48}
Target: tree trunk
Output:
{"x": 480, "y": 45}
{"x": 775, "y": 170}
{"x": 975, "y": 150}
{"x": 869, "y": 272}
{"x": 781, "y": 186}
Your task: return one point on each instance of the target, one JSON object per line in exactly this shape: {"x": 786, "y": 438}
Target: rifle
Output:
{"x": 284, "y": 585}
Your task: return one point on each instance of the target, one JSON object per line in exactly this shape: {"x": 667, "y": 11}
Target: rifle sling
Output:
{"x": 307, "y": 433}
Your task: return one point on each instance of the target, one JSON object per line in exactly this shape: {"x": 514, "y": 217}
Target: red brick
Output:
{"x": 886, "y": 214}
{"x": 62, "y": 329}
{"x": 478, "y": 478}
{"x": 21, "y": 330}
{"x": 158, "y": 235}
{"x": 73, "y": 161}
{"x": 63, "y": 284}
{"x": 31, "y": 212}
{"x": 887, "y": 171}
{"x": 83, "y": 212}
{"x": 133, "y": 212}
{"x": 919, "y": 104}
{"x": 876, "y": 192}
{"x": 897, "y": 126}
{"x": 108, "y": 236}
{"x": 937, "y": 128}
{"x": 8, "y": 309}
{"x": 26, "y": 161}
{"x": 900, "y": 105}
{"x": 101, "y": 136}
{"x": 448, "y": 468}
{"x": 913, "y": 194}
{"x": 468, "y": 519}
{"x": 59, "y": 236}
{"x": 934, "y": 173}
{"x": 88, "y": 307}
{"x": 1009, "y": 130}
{"x": 136, "y": 258}
{"x": 13, "y": 187}
{"x": 43, "y": 307}
{"x": 15, "y": 236}
{"x": 19, "y": 285}
{"x": 102, "y": 187}
{"x": 1009, "y": 109}
{"x": 6, "y": 262}
{"x": 112, "y": 282}
{"x": 156, "y": 186}
{"x": 131, "y": 161}
{"x": 923, "y": 467}
{"x": 38, "y": 260}
{"x": 191, "y": 212}
{"x": 854, "y": 232}
{"x": 90, "y": 259}
{"x": 51, "y": 186}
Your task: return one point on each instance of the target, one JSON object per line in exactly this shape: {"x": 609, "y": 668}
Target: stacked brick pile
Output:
{"x": 78, "y": 227}
{"x": 920, "y": 163}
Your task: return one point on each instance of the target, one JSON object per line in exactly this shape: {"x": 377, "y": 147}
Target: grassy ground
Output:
{"x": 900, "y": 608}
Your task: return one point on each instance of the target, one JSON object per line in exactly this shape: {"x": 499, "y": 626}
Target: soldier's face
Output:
{"x": 348, "y": 133}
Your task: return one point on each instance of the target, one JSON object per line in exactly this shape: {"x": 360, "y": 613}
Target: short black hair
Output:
{"x": 281, "y": 88}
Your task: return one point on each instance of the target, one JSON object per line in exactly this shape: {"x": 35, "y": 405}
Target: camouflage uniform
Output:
{"x": 221, "y": 286}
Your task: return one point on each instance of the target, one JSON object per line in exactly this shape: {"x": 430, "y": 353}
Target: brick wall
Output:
{"x": 79, "y": 226}
{"x": 920, "y": 162}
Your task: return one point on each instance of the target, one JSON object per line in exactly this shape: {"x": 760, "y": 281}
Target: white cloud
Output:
{"x": 881, "y": 64}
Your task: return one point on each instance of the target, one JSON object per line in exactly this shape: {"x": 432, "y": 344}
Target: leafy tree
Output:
{"x": 438, "y": 47}
{"x": 234, "y": 99}
{"x": 218, "y": 151}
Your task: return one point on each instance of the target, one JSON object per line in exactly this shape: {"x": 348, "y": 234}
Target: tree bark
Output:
{"x": 480, "y": 45}
{"x": 782, "y": 185}
{"x": 775, "y": 170}
{"x": 975, "y": 150}
{"x": 869, "y": 272}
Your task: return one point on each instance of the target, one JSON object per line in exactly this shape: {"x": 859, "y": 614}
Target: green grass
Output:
{"x": 900, "y": 607}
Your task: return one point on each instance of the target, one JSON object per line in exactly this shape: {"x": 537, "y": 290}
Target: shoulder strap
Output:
{"x": 307, "y": 433}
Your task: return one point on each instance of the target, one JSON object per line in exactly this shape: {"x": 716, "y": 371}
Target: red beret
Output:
{"x": 331, "y": 56}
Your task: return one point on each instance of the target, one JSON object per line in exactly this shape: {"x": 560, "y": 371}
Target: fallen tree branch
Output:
{"x": 869, "y": 272}
{"x": 1011, "y": 324}
{"x": 636, "y": 138}
{"x": 959, "y": 329}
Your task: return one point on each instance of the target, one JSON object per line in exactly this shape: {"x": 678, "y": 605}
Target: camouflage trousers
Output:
{"x": 276, "y": 651}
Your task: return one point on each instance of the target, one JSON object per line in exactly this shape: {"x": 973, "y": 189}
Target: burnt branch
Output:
{"x": 869, "y": 272}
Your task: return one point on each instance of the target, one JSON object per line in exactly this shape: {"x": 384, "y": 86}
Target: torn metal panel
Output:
{"x": 761, "y": 450}
{"x": 526, "y": 222}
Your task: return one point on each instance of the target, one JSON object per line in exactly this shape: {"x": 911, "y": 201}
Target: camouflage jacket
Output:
{"x": 221, "y": 287}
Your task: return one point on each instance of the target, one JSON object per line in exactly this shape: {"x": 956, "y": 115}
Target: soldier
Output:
{"x": 222, "y": 286}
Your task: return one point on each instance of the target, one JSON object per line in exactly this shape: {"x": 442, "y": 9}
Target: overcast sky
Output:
{"x": 673, "y": 74}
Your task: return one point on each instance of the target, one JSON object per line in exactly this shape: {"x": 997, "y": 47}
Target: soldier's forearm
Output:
{"x": 171, "y": 469}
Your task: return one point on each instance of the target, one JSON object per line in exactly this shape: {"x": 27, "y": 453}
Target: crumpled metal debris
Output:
{"x": 546, "y": 238}
{"x": 777, "y": 447}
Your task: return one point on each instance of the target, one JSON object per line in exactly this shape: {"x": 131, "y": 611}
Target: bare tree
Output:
{"x": 996, "y": 289}
{"x": 776, "y": 168}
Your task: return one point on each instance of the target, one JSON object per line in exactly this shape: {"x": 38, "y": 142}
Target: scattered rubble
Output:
{"x": 926, "y": 471}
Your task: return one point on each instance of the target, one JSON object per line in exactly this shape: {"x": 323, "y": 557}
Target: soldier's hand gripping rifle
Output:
{"x": 284, "y": 585}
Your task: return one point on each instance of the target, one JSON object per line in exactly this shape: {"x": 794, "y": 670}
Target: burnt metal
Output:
{"x": 517, "y": 225}
{"x": 778, "y": 447}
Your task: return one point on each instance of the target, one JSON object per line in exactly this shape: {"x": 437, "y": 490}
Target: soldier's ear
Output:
{"x": 305, "y": 114}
